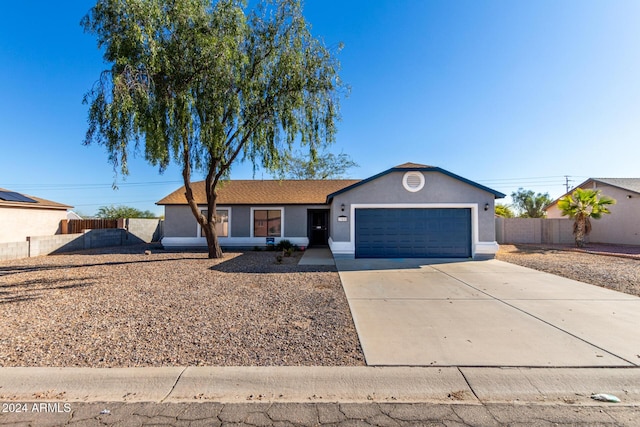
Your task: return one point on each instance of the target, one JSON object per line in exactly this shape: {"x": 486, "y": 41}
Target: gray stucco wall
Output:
{"x": 296, "y": 220}
{"x": 179, "y": 221}
{"x": 438, "y": 188}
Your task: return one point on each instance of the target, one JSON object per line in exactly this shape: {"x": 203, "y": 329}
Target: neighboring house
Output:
{"x": 411, "y": 210}
{"x": 73, "y": 215}
{"x": 22, "y": 216}
{"x": 622, "y": 226}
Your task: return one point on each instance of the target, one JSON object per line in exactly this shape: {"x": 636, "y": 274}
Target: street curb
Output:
{"x": 464, "y": 385}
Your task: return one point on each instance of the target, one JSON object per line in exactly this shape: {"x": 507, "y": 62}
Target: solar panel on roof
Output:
{"x": 11, "y": 196}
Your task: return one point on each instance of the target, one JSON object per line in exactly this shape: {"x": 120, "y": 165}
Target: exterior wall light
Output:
{"x": 342, "y": 207}
{"x": 486, "y": 206}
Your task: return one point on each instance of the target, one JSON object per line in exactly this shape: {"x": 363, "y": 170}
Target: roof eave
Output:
{"x": 36, "y": 206}
{"x": 606, "y": 182}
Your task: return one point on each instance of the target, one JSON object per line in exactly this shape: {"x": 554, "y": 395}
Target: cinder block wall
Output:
{"x": 45, "y": 245}
{"x": 135, "y": 231}
{"x": 145, "y": 230}
{"x": 103, "y": 237}
{"x": 534, "y": 230}
{"x": 14, "y": 250}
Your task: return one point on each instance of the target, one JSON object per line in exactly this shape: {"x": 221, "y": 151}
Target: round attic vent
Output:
{"x": 413, "y": 181}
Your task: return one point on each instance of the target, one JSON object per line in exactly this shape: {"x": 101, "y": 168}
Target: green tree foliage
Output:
{"x": 581, "y": 206}
{"x": 326, "y": 166}
{"x": 117, "y": 212}
{"x": 504, "y": 211}
{"x": 530, "y": 205}
{"x": 208, "y": 85}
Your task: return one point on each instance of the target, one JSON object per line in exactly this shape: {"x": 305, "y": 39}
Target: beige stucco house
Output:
{"x": 622, "y": 226}
{"x": 22, "y": 216}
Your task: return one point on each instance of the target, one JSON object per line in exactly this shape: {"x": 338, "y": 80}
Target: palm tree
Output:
{"x": 529, "y": 204}
{"x": 581, "y": 206}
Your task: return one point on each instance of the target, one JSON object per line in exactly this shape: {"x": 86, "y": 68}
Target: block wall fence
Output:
{"x": 134, "y": 231}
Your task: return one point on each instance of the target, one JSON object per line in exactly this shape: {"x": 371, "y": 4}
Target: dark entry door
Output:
{"x": 318, "y": 227}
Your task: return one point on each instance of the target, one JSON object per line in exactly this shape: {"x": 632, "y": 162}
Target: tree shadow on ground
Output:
{"x": 265, "y": 262}
{"x": 15, "y": 269}
{"x": 33, "y": 289}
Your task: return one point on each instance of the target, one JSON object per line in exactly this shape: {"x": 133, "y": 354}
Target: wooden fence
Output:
{"x": 74, "y": 226}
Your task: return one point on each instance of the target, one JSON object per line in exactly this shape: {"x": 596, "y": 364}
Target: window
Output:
{"x": 267, "y": 223}
{"x": 222, "y": 222}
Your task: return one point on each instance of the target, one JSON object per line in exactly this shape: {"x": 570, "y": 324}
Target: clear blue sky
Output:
{"x": 506, "y": 93}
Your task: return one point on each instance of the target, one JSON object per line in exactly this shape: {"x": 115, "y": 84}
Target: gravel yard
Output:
{"x": 620, "y": 273}
{"x": 122, "y": 308}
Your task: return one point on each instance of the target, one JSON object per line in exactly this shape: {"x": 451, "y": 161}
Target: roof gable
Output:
{"x": 416, "y": 167}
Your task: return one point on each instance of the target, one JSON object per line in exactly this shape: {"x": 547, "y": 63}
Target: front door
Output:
{"x": 318, "y": 227}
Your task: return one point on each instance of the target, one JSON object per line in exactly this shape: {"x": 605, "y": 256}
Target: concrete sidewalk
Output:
{"x": 317, "y": 256}
{"x": 319, "y": 384}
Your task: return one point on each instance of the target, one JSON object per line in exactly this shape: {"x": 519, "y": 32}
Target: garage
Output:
{"x": 413, "y": 233}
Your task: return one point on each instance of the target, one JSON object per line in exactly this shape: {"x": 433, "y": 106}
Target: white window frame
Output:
{"x": 267, "y": 208}
{"x": 218, "y": 208}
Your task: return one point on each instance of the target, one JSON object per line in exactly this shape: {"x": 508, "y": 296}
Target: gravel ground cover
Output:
{"x": 122, "y": 308}
{"x": 619, "y": 269}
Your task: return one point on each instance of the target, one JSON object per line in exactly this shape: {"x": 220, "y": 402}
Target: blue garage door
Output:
{"x": 413, "y": 233}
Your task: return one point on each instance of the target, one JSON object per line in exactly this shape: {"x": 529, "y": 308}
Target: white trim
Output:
{"x": 268, "y": 208}
{"x": 249, "y": 242}
{"x": 222, "y": 208}
{"x": 405, "y": 181}
{"x": 487, "y": 248}
{"x": 340, "y": 248}
{"x": 477, "y": 247}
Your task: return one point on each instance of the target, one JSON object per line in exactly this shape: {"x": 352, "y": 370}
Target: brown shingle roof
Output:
{"x": 270, "y": 192}
{"x": 39, "y": 203}
{"x": 410, "y": 165}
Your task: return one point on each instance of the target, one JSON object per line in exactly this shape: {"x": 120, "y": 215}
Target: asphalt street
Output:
{"x": 320, "y": 414}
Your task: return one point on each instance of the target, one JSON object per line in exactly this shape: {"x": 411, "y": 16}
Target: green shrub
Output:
{"x": 284, "y": 245}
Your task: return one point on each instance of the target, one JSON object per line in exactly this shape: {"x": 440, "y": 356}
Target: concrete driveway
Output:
{"x": 486, "y": 313}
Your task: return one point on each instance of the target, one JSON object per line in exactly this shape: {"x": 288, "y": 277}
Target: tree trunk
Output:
{"x": 580, "y": 232}
{"x": 212, "y": 240}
